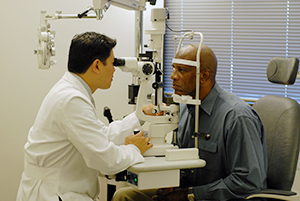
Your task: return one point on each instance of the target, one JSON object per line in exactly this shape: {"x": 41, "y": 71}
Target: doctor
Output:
{"x": 68, "y": 145}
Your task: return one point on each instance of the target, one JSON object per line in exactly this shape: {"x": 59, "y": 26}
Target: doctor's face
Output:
{"x": 184, "y": 79}
{"x": 107, "y": 72}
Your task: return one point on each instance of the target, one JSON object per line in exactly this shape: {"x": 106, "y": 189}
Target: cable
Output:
{"x": 179, "y": 30}
{"x": 168, "y": 17}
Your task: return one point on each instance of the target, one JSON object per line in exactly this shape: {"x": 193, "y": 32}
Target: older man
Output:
{"x": 235, "y": 155}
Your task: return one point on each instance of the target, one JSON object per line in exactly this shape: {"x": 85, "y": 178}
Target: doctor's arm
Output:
{"x": 118, "y": 130}
{"x": 89, "y": 136}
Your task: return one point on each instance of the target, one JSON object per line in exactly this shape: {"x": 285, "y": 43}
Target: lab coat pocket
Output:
{"x": 208, "y": 145}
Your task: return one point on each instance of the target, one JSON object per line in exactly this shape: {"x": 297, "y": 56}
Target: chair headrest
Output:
{"x": 283, "y": 70}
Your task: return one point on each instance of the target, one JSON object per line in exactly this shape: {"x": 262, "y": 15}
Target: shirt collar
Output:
{"x": 209, "y": 101}
{"x": 86, "y": 86}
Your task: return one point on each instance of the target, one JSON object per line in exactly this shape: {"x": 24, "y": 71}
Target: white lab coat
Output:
{"x": 68, "y": 146}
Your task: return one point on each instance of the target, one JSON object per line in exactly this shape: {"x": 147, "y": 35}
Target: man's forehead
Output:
{"x": 182, "y": 66}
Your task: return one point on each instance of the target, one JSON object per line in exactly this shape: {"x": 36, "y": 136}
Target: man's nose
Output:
{"x": 174, "y": 75}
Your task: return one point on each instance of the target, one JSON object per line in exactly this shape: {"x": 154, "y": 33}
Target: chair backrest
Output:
{"x": 282, "y": 70}
{"x": 281, "y": 120}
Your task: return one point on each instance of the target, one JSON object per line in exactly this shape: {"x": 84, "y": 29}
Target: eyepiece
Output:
{"x": 119, "y": 62}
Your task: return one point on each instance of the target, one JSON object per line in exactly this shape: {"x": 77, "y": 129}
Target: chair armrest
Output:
{"x": 277, "y": 192}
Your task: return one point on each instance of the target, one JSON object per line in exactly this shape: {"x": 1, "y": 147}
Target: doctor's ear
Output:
{"x": 96, "y": 66}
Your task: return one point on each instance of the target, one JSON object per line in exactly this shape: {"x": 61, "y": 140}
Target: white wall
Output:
{"x": 23, "y": 86}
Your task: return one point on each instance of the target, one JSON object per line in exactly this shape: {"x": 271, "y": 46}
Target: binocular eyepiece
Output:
{"x": 119, "y": 62}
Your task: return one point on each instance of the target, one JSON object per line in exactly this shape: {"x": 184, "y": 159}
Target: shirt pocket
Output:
{"x": 208, "y": 146}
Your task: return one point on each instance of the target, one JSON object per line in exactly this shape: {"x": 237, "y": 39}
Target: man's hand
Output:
{"x": 171, "y": 194}
{"x": 147, "y": 109}
{"x": 140, "y": 141}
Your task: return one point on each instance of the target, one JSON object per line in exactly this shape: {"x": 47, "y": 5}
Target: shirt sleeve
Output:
{"x": 95, "y": 141}
{"x": 245, "y": 155}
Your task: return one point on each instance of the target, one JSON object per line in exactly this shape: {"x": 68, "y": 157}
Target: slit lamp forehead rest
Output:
{"x": 184, "y": 62}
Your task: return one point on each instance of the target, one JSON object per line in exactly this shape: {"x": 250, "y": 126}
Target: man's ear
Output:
{"x": 204, "y": 75}
{"x": 96, "y": 66}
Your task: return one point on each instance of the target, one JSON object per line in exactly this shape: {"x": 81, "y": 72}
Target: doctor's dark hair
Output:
{"x": 85, "y": 48}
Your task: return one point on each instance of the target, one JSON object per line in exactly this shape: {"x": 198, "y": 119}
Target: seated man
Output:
{"x": 235, "y": 155}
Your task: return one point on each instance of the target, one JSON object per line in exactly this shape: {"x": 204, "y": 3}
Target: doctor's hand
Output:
{"x": 140, "y": 141}
{"x": 171, "y": 194}
{"x": 147, "y": 109}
